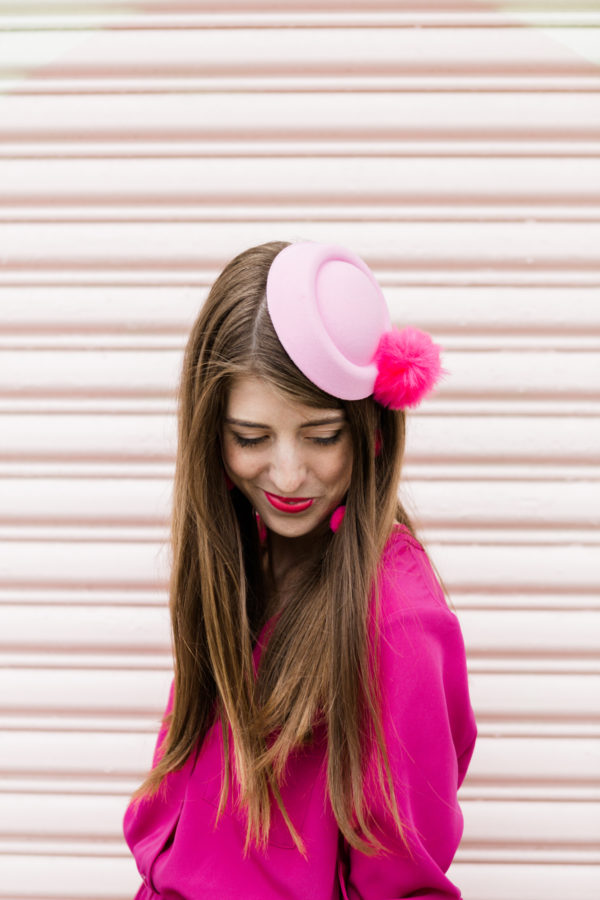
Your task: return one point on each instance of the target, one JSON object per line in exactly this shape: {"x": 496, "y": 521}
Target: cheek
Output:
{"x": 241, "y": 462}
{"x": 338, "y": 470}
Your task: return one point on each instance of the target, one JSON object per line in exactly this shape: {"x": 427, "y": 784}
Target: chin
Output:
{"x": 290, "y": 529}
{"x": 297, "y": 529}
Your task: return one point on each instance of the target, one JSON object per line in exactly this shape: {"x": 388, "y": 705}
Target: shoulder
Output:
{"x": 407, "y": 581}
{"x": 423, "y": 676}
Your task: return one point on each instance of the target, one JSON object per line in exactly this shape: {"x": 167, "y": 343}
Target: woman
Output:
{"x": 319, "y": 723}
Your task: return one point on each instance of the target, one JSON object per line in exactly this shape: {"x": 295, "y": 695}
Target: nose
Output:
{"x": 287, "y": 471}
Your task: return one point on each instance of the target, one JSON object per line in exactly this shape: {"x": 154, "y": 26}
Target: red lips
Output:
{"x": 289, "y": 504}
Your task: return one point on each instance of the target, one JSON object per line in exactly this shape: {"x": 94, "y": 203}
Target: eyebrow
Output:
{"x": 313, "y": 422}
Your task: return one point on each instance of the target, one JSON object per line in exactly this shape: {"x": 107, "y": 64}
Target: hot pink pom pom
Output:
{"x": 336, "y": 518}
{"x": 409, "y": 366}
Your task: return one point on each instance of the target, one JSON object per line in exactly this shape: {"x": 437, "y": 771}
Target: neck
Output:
{"x": 284, "y": 558}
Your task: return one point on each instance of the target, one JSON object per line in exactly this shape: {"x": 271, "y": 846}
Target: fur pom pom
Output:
{"x": 409, "y": 366}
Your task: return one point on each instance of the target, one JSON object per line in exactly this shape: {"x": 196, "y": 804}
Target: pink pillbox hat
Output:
{"x": 333, "y": 321}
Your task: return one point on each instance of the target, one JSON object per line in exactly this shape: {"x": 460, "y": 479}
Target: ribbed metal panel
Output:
{"x": 455, "y": 145}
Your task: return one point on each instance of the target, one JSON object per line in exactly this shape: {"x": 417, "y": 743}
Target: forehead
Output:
{"x": 254, "y": 399}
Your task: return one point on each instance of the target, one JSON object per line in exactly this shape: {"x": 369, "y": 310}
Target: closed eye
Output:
{"x": 328, "y": 440}
{"x": 252, "y": 442}
{"x": 247, "y": 442}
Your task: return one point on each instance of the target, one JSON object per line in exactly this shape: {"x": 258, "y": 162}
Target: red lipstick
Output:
{"x": 289, "y": 504}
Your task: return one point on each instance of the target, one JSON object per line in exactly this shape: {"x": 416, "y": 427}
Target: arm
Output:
{"x": 430, "y": 734}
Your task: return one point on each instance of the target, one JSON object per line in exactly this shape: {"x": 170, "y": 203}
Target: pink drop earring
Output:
{"x": 228, "y": 482}
{"x": 377, "y": 442}
{"x": 262, "y": 528}
{"x": 336, "y": 518}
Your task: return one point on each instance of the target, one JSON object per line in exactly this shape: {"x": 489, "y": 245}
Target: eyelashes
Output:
{"x": 246, "y": 442}
{"x": 253, "y": 442}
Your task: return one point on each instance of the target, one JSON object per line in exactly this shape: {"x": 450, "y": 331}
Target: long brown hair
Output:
{"x": 319, "y": 665}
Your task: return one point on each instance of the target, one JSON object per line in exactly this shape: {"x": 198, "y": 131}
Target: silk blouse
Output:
{"x": 430, "y": 732}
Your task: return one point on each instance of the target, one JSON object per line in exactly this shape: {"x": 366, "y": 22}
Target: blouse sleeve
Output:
{"x": 430, "y": 734}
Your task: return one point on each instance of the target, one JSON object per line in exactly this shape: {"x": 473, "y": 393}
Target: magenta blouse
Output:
{"x": 430, "y": 732}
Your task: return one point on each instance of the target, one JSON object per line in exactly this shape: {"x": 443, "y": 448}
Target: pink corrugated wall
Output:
{"x": 455, "y": 146}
